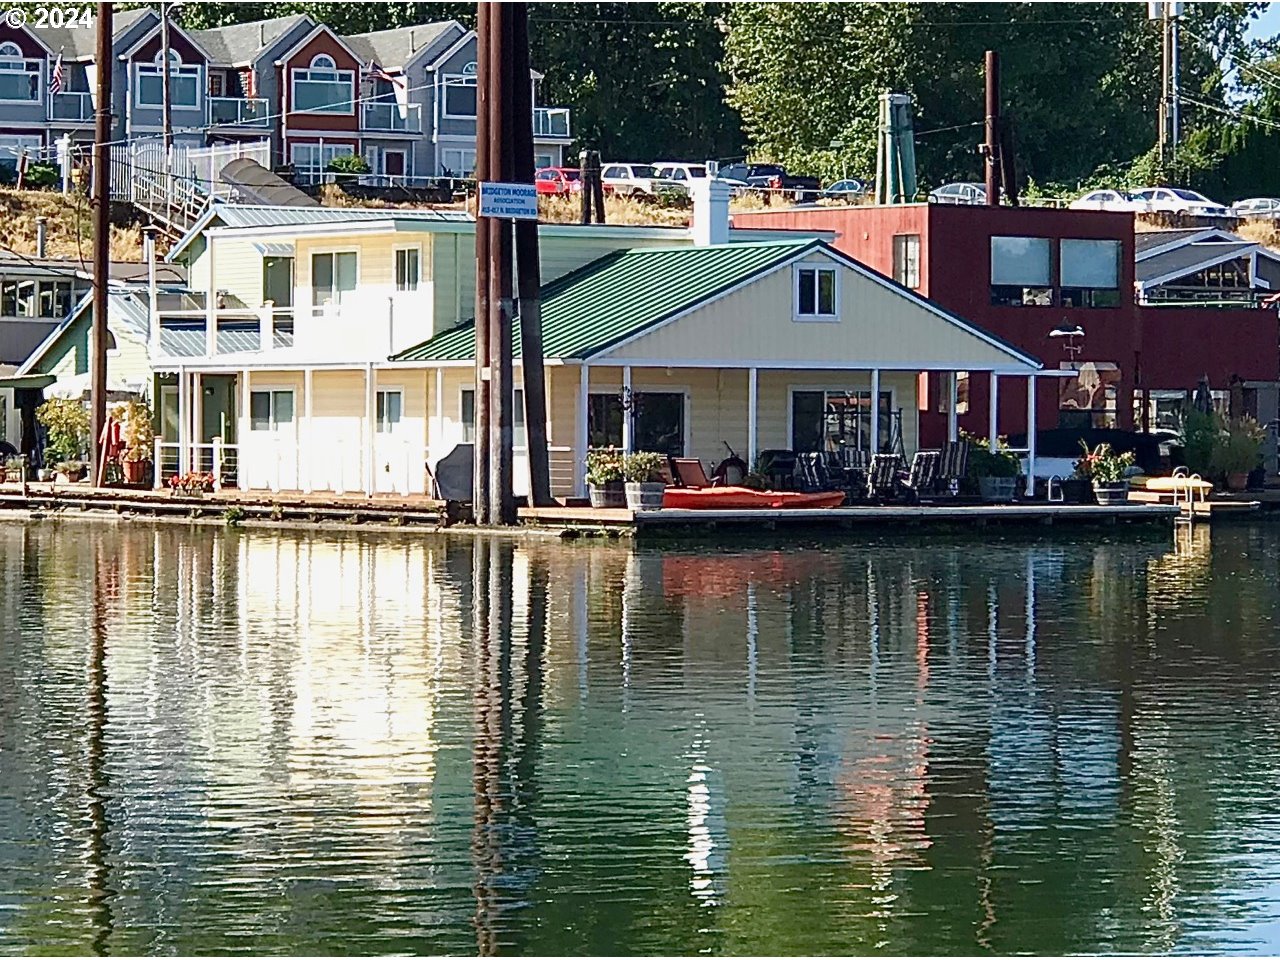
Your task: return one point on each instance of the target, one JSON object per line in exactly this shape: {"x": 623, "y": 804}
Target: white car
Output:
{"x": 680, "y": 172}
{"x": 1178, "y": 200}
{"x": 959, "y": 193}
{"x": 638, "y": 179}
{"x": 1257, "y": 208}
{"x": 1114, "y": 200}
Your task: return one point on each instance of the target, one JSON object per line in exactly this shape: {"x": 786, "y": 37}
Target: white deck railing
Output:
{"x": 222, "y": 460}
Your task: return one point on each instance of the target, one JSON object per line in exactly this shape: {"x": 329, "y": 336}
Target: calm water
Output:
{"x": 237, "y": 741}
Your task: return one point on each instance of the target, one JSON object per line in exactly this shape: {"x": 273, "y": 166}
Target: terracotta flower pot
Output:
{"x": 134, "y": 471}
{"x": 1237, "y": 482}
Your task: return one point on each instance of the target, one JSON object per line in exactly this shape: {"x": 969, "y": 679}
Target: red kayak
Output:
{"x": 738, "y": 498}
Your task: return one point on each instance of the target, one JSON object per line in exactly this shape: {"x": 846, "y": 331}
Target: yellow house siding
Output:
{"x": 878, "y": 327}
{"x": 237, "y": 267}
{"x": 454, "y": 262}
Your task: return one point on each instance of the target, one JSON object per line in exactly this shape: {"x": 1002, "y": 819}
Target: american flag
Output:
{"x": 375, "y": 72}
{"x": 55, "y": 78}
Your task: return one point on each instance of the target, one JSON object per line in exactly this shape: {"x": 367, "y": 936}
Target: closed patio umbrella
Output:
{"x": 1203, "y": 399}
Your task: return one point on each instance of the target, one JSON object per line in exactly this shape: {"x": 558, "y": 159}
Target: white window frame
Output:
{"x": 824, "y": 389}
{"x": 330, "y": 74}
{"x": 273, "y": 424}
{"x": 328, "y": 151}
{"x": 467, "y": 78}
{"x": 395, "y": 267}
{"x": 686, "y": 391}
{"x": 18, "y": 64}
{"x": 176, "y": 70}
{"x": 907, "y": 245}
{"x": 818, "y": 317}
{"x": 380, "y": 395}
{"x": 334, "y": 301}
{"x": 519, "y": 430}
{"x": 446, "y": 149}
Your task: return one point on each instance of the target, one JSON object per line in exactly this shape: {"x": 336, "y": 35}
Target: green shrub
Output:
{"x": 1238, "y": 446}
{"x": 643, "y": 467}
{"x": 41, "y": 175}
{"x": 983, "y": 463}
{"x": 604, "y": 466}
{"x": 66, "y": 424}
{"x": 1199, "y": 437}
{"x": 351, "y": 163}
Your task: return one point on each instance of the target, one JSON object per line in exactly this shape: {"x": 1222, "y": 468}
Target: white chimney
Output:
{"x": 710, "y": 211}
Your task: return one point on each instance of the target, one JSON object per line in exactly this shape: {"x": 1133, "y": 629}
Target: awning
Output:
{"x": 32, "y": 381}
{"x": 274, "y": 249}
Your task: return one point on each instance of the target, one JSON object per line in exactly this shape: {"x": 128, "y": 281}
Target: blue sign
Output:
{"x": 509, "y": 201}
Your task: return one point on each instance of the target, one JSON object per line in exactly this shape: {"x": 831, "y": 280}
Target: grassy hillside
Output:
{"x": 69, "y": 218}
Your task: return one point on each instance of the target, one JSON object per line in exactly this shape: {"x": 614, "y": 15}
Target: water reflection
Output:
{"x": 224, "y": 741}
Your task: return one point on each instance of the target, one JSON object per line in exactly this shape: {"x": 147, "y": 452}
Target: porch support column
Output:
{"x": 211, "y": 305}
{"x": 197, "y": 419}
{"x": 370, "y": 416}
{"x": 752, "y": 403}
{"x": 1031, "y": 435}
{"x": 243, "y": 429}
{"x": 953, "y": 401}
{"x": 628, "y": 415}
{"x": 875, "y": 411}
{"x": 993, "y": 412}
{"x": 436, "y": 437}
{"x": 580, "y": 430}
{"x": 184, "y": 422}
{"x": 304, "y": 481}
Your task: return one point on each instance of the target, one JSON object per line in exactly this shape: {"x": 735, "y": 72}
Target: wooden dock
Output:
{"x": 329, "y": 510}
{"x": 1219, "y": 508}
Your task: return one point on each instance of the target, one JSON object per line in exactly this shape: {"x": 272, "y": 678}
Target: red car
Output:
{"x": 558, "y": 181}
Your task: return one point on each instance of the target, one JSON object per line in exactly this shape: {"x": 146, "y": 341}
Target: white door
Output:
{"x": 270, "y": 456}
{"x": 391, "y": 451}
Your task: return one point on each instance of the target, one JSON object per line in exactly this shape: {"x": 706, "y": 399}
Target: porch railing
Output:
{"x": 71, "y": 106}
{"x": 239, "y": 111}
{"x": 393, "y": 116}
{"x": 551, "y": 122}
{"x": 222, "y": 460}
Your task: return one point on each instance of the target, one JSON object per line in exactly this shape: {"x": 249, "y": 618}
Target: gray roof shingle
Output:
{"x": 392, "y": 49}
{"x": 1186, "y": 259}
{"x": 77, "y": 43}
{"x": 240, "y": 43}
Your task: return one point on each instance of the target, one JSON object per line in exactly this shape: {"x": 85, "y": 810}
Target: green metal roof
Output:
{"x": 619, "y": 295}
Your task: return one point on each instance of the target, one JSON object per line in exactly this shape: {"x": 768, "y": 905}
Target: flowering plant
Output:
{"x": 604, "y": 466}
{"x": 1102, "y": 464}
{"x": 191, "y": 483}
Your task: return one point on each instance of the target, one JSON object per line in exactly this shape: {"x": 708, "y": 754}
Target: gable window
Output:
{"x": 467, "y": 404}
{"x": 407, "y": 269}
{"x": 184, "y": 83}
{"x": 19, "y": 77}
{"x": 1090, "y": 273}
{"x": 460, "y": 93}
{"x": 815, "y": 294}
{"x": 323, "y": 88}
{"x": 1021, "y": 272}
{"x": 333, "y": 277}
{"x": 906, "y": 260}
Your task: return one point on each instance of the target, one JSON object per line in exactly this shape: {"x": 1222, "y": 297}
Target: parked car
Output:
{"x": 1257, "y": 208}
{"x": 1119, "y": 201}
{"x": 1178, "y": 200}
{"x": 849, "y": 189}
{"x": 558, "y": 181}
{"x": 959, "y": 193}
{"x": 680, "y": 172}
{"x": 638, "y": 179}
{"x": 771, "y": 176}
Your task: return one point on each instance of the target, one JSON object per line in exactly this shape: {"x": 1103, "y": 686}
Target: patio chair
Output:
{"x": 882, "y": 476}
{"x": 812, "y": 471}
{"x": 923, "y": 477}
{"x": 689, "y": 472}
{"x": 954, "y": 465}
{"x": 780, "y": 467}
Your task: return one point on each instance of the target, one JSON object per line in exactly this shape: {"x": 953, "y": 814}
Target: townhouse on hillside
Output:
{"x": 405, "y": 99}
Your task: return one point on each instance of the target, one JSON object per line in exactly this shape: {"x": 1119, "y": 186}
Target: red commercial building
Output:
{"x": 1023, "y": 273}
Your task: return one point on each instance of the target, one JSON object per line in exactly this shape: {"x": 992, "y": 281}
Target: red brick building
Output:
{"x": 1021, "y": 273}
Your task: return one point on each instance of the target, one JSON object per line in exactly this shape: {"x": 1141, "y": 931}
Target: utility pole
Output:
{"x": 991, "y": 144}
{"x": 166, "y": 99}
{"x": 528, "y": 269}
{"x": 1168, "y": 13}
{"x": 480, "y": 484}
{"x": 501, "y": 168}
{"x": 101, "y": 247}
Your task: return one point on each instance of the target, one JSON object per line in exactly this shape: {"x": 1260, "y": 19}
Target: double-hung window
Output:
{"x": 323, "y": 88}
{"x": 270, "y": 410}
{"x": 333, "y": 277}
{"x": 19, "y": 77}
{"x": 468, "y": 411}
{"x": 184, "y": 83}
{"x": 408, "y": 262}
{"x": 390, "y": 409}
{"x": 815, "y": 293}
{"x": 906, "y": 260}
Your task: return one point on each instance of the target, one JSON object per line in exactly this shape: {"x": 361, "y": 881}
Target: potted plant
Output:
{"x": 1237, "y": 450}
{"x": 71, "y": 470}
{"x": 348, "y": 167}
{"x": 15, "y": 469}
{"x": 995, "y": 473}
{"x": 605, "y": 478}
{"x": 139, "y": 441}
{"x": 644, "y": 483}
{"x": 1108, "y": 471}
{"x": 194, "y": 484}
{"x": 66, "y": 425}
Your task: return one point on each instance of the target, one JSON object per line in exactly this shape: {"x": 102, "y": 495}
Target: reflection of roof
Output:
{"x": 1188, "y": 259}
{"x": 392, "y": 49}
{"x": 240, "y": 43}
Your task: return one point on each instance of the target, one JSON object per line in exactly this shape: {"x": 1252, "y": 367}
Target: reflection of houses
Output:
{"x": 1022, "y": 272}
